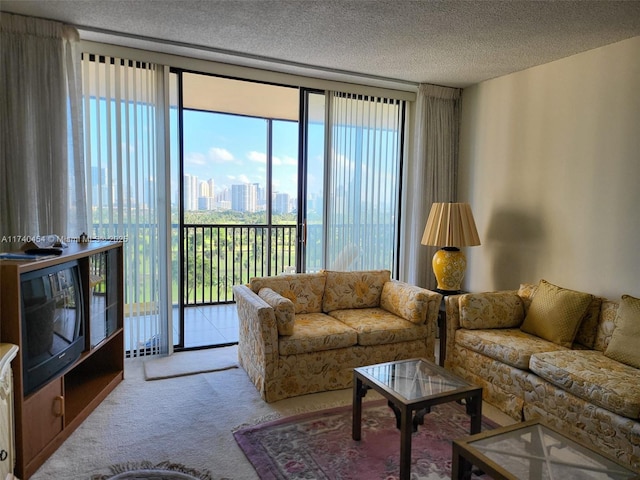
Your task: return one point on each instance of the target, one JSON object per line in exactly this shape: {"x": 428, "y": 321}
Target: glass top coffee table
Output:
{"x": 532, "y": 450}
{"x": 411, "y": 388}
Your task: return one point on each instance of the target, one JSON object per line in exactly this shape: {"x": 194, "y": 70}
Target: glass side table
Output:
{"x": 532, "y": 450}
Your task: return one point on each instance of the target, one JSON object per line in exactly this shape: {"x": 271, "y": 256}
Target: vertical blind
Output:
{"x": 120, "y": 108}
{"x": 364, "y": 149}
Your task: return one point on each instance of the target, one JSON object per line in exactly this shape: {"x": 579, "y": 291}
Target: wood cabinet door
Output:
{"x": 42, "y": 418}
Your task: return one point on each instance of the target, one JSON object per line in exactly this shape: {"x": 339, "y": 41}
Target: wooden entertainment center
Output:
{"x": 45, "y": 417}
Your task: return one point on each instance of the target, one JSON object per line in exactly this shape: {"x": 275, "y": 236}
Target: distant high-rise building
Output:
{"x": 244, "y": 197}
{"x": 282, "y": 203}
{"x": 223, "y": 200}
{"x": 206, "y": 200}
{"x": 190, "y": 201}
{"x": 205, "y": 203}
{"x": 203, "y": 189}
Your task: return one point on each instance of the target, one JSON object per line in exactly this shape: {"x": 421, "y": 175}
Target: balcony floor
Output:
{"x": 208, "y": 325}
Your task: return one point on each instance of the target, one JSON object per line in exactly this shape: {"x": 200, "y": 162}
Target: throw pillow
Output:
{"x": 305, "y": 290}
{"x": 491, "y": 310}
{"x": 361, "y": 289}
{"x": 555, "y": 313}
{"x": 624, "y": 346}
{"x": 588, "y": 329}
{"x": 283, "y": 308}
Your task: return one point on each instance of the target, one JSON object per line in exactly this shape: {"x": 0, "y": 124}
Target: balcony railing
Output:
{"x": 216, "y": 257}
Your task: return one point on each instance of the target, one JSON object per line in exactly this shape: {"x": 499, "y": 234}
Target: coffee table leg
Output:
{"x": 406, "y": 429}
{"x": 357, "y": 408}
{"x": 474, "y": 410}
{"x": 460, "y": 467}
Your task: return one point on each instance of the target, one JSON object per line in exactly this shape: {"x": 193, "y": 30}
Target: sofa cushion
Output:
{"x": 283, "y": 308}
{"x": 555, "y": 313}
{"x": 508, "y": 345}
{"x": 376, "y": 326}
{"x": 406, "y": 301}
{"x": 592, "y": 376}
{"x": 625, "y": 341}
{"x": 316, "y": 332}
{"x": 353, "y": 289}
{"x": 305, "y": 290}
{"x": 491, "y": 310}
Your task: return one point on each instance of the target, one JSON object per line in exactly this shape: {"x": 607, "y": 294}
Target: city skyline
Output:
{"x": 242, "y": 197}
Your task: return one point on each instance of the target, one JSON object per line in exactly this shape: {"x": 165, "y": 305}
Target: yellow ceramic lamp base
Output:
{"x": 449, "y": 265}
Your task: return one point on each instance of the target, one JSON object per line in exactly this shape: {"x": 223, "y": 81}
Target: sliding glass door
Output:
{"x": 237, "y": 189}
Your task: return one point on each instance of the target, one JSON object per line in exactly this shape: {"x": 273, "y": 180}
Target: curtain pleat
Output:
{"x": 363, "y": 181}
{"x": 121, "y": 153}
{"x": 432, "y": 176}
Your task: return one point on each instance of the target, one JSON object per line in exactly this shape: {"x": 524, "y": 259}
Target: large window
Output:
{"x": 254, "y": 189}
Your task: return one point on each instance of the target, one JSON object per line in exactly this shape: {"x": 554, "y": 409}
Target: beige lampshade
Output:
{"x": 450, "y": 225}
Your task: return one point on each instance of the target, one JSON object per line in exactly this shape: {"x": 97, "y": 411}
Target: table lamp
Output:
{"x": 450, "y": 226}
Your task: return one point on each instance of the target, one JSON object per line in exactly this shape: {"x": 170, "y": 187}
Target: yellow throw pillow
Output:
{"x": 624, "y": 346}
{"x": 555, "y": 313}
{"x": 360, "y": 289}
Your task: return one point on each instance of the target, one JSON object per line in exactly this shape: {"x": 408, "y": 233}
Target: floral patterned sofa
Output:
{"x": 584, "y": 377}
{"x": 304, "y": 333}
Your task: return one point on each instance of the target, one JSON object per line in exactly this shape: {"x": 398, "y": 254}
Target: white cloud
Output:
{"x": 243, "y": 179}
{"x": 257, "y": 157}
{"x": 260, "y": 157}
{"x": 195, "y": 158}
{"x": 220, "y": 155}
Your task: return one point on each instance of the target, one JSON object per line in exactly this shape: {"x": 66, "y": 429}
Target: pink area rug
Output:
{"x": 318, "y": 445}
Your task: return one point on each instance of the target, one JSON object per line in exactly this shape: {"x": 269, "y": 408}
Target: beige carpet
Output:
{"x": 190, "y": 363}
{"x": 187, "y": 420}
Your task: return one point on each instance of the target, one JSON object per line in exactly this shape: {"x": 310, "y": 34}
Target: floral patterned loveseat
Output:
{"x": 587, "y": 383}
{"x": 304, "y": 333}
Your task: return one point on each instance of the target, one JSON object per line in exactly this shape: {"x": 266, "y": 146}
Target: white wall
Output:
{"x": 550, "y": 162}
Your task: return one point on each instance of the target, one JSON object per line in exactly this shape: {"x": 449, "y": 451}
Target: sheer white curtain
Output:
{"x": 362, "y": 191}
{"x": 122, "y": 111}
{"x": 41, "y": 166}
{"x": 431, "y": 175}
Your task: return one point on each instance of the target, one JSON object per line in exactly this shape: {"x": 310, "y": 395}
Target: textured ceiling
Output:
{"x": 453, "y": 43}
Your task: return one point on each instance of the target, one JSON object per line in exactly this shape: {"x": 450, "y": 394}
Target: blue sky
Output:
{"x": 232, "y": 149}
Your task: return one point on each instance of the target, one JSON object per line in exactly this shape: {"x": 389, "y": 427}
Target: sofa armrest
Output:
{"x": 258, "y": 333}
{"x": 416, "y": 304}
{"x": 452, "y": 323}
